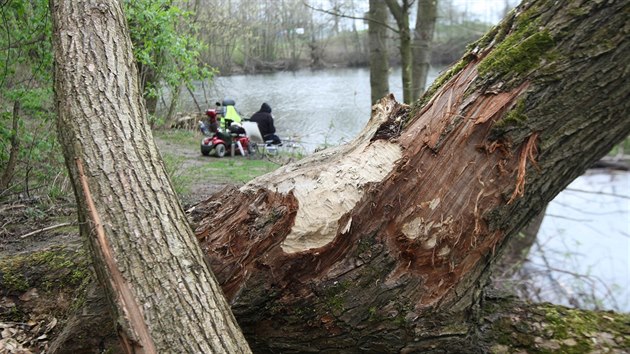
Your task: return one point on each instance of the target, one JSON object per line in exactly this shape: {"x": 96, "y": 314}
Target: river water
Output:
{"x": 583, "y": 246}
{"x": 582, "y": 254}
{"x": 317, "y": 108}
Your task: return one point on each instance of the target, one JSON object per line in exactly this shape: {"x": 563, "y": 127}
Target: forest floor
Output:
{"x": 38, "y": 222}
{"x": 40, "y": 232}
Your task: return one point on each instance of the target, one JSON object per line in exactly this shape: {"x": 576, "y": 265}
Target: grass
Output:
{"x": 178, "y": 136}
{"x": 233, "y": 169}
{"x": 188, "y": 169}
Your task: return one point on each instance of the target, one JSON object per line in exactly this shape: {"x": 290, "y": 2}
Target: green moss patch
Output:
{"x": 548, "y": 328}
{"x": 515, "y": 117}
{"x": 47, "y": 270}
{"x": 518, "y": 53}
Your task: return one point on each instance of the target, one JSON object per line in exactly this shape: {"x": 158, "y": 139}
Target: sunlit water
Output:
{"x": 584, "y": 233}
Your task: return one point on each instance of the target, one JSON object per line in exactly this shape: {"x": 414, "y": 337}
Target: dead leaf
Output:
{"x": 29, "y": 295}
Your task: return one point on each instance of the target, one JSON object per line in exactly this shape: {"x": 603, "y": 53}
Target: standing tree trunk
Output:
{"x": 401, "y": 15}
{"x": 163, "y": 295}
{"x": 379, "y": 60}
{"x": 423, "y": 36}
{"x": 148, "y": 79}
{"x": 386, "y": 244}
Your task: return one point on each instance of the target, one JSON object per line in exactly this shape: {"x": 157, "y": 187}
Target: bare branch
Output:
{"x": 342, "y": 15}
{"x": 47, "y": 229}
{"x": 598, "y": 193}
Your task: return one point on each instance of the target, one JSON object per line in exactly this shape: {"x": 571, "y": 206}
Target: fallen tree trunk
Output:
{"x": 387, "y": 243}
{"x": 505, "y": 323}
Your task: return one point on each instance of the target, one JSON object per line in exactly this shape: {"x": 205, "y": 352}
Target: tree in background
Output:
{"x": 415, "y": 56}
{"x": 426, "y": 18}
{"x": 400, "y": 12}
{"x": 26, "y": 142}
{"x": 379, "y": 59}
{"x": 166, "y": 48}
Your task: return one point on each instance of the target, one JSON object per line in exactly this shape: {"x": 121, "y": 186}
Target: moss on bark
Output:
{"x": 49, "y": 270}
{"x": 509, "y": 326}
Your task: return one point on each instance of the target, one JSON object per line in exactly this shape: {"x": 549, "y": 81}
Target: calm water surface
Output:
{"x": 586, "y": 229}
{"x": 324, "y": 107}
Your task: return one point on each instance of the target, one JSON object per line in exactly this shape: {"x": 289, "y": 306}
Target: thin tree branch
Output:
{"x": 339, "y": 14}
{"x": 47, "y": 229}
{"x": 40, "y": 38}
{"x": 399, "y": 11}
{"x": 598, "y": 193}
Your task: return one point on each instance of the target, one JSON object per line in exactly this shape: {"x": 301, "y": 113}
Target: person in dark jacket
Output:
{"x": 264, "y": 119}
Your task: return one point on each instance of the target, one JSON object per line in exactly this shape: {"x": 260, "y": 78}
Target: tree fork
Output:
{"x": 387, "y": 243}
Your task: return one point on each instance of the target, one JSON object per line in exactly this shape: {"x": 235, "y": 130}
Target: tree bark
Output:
{"x": 163, "y": 296}
{"x": 423, "y": 36}
{"x": 379, "y": 60}
{"x": 506, "y": 325}
{"x": 386, "y": 244}
{"x": 401, "y": 15}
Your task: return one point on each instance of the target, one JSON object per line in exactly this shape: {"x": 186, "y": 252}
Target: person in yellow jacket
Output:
{"x": 229, "y": 114}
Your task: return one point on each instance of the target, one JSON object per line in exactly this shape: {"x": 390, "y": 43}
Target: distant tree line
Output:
{"x": 254, "y": 36}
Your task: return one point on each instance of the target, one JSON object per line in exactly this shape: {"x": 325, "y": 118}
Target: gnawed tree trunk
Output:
{"x": 386, "y": 244}
{"x": 163, "y": 295}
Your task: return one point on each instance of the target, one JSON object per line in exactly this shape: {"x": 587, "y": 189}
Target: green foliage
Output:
{"x": 165, "y": 45}
{"x": 165, "y": 42}
{"x": 26, "y": 56}
{"x": 26, "y": 94}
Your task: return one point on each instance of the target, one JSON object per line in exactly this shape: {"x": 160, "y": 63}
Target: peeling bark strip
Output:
{"x": 402, "y": 265}
{"x": 133, "y": 321}
{"x": 145, "y": 254}
{"x": 528, "y": 152}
